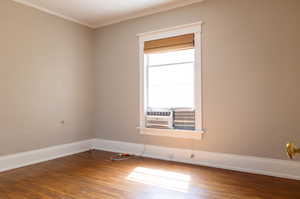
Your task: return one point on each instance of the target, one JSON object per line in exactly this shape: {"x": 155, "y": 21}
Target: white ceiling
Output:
{"x": 97, "y": 13}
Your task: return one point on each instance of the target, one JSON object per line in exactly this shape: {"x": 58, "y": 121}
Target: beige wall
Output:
{"x": 46, "y": 75}
{"x": 251, "y": 52}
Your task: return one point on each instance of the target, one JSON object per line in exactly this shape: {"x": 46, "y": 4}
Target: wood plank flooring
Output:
{"x": 91, "y": 175}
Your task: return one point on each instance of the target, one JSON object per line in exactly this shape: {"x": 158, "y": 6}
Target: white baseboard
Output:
{"x": 36, "y": 156}
{"x": 265, "y": 166}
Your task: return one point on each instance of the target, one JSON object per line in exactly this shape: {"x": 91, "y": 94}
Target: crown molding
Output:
{"x": 24, "y": 2}
{"x": 110, "y": 22}
{"x": 149, "y": 12}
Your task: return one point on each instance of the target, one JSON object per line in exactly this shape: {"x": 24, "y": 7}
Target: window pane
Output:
{"x": 171, "y": 86}
{"x": 172, "y": 57}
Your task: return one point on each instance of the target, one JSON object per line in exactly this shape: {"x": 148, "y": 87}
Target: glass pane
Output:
{"x": 172, "y": 57}
{"x": 171, "y": 86}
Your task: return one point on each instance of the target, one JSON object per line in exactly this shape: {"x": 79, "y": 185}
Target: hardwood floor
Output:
{"x": 91, "y": 175}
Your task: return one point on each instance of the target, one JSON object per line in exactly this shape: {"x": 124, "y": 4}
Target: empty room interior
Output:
{"x": 150, "y": 99}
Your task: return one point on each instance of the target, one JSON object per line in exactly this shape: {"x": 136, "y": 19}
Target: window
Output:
{"x": 171, "y": 82}
{"x": 171, "y": 79}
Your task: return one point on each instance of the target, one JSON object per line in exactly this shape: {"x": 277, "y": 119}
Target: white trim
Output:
{"x": 194, "y": 28}
{"x": 189, "y": 26}
{"x": 24, "y": 2}
{"x": 36, "y": 156}
{"x": 110, "y": 22}
{"x": 257, "y": 165}
{"x": 250, "y": 164}
{"x": 185, "y": 134}
{"x": 150, "y": 12}
{"x": 198, "y": 81}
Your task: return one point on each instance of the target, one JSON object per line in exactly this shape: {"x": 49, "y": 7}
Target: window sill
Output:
{"x": 185, "y": 134}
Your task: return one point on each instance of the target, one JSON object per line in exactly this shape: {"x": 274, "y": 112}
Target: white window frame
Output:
{"x": 194, "y": 28}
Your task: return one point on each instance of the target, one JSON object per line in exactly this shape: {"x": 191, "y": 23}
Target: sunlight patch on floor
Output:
{"x": 161, "y": 178}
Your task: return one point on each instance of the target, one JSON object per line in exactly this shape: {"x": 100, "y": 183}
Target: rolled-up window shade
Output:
{"x": 181, "y": 42}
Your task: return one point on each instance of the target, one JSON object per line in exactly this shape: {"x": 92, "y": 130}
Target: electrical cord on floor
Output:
{"x": 121, "y": 156}
{"x": 126, "y": 156}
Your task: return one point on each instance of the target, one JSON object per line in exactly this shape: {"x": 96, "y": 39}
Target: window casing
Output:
{"x": 153, "y": 68}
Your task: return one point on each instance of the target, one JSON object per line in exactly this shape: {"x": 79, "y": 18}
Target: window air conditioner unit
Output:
{"x": 162, "y": 119}
{"x": 184, "y": 118}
